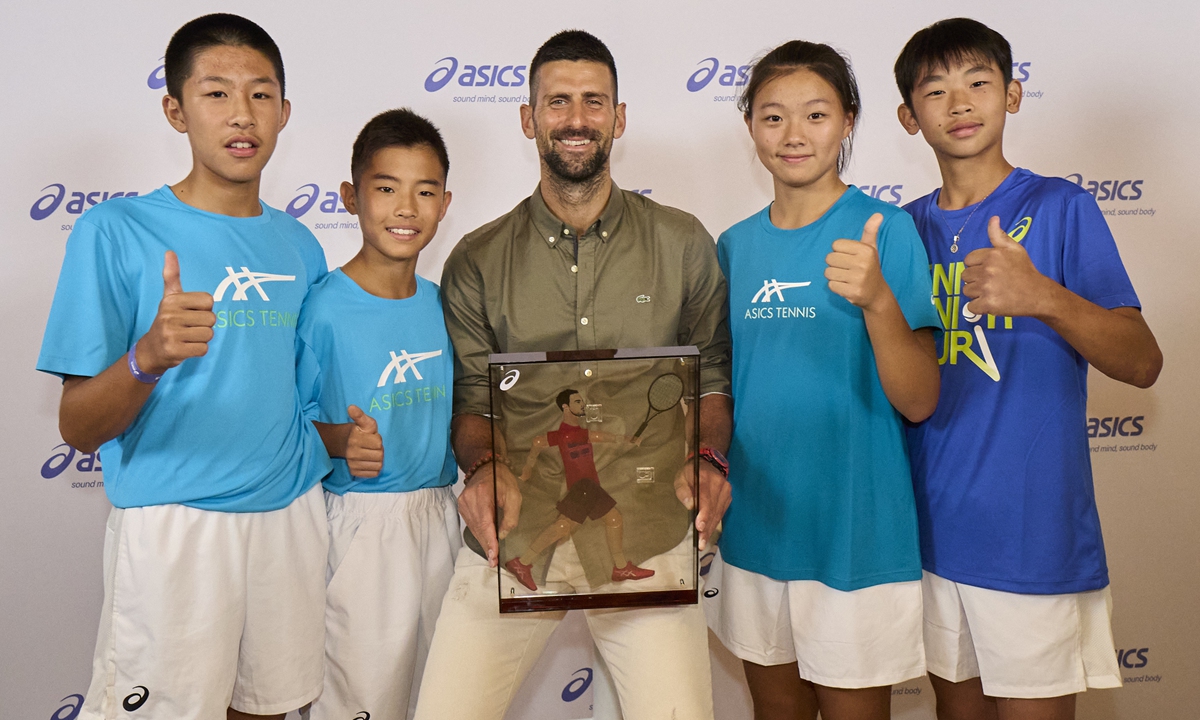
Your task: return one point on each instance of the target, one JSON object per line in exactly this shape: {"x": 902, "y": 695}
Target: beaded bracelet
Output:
{"x": 487, "y": 457}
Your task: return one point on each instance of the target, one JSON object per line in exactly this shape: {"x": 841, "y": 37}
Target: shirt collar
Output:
{"x": 552, "y": 230}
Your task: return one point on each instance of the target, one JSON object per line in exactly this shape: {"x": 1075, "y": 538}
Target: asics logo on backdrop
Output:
{"x": 402, "y": 363}
{"x": 774, "y": 288}
{"x": 45, "y": 205}
{"x": 727, "y": 76}
{"x": 158, "y": 77}
{"x": 244, "y": 280}
{"x": 1104, "y": 190}
{"x": 474, "y": 75}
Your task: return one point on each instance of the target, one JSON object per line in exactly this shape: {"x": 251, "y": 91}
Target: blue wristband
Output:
{"x": 139, "y": 374}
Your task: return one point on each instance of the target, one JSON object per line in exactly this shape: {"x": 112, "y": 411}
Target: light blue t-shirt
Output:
{"x": 391, "y": 358}
{"x": 1002, "y": 469}
{"x": 818, "y": 464}
{"x": 219, "y": 432}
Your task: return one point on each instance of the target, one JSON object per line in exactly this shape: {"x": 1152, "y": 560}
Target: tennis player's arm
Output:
{"x": 94, "y": 410}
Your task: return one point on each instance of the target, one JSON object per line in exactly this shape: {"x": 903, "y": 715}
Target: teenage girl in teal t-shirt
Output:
{"x": 832, "y": 348}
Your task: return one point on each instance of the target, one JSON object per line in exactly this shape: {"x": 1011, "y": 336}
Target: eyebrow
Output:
{"x": 227, "y": 81}
{"x": 980, "y": 68}
{"x": 393, "y": 178}
{"x": 814, "y": 101}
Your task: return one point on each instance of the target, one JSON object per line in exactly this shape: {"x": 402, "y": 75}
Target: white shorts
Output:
{"x": 1019, "y": 646}
{"x": 391, "y": 556}
{"x": 208, "y": 610}
{"x": 863, "y": 638}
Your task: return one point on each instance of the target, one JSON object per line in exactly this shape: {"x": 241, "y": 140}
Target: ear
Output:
{"x": 848, "y": 124}
{"x": 350, "y": 199}
{"x": 907, "y": 119}
{"x": 285, "y": 113}
{"x": 619, "y": 125}
{"x": 446, "y": 197}
{"x": 527, "y": 121}
{"x": 1015, "y": 93}
{"x": 174, "y": 112}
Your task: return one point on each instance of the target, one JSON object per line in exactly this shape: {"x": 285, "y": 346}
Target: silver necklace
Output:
{"x": 957, "y": 235}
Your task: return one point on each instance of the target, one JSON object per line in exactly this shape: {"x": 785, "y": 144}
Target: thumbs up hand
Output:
{"x": 853, "y": 267}
{"x": 364, "y": 446}
{"x": 1002, "y": 280}
{"x": 182, "y": 327}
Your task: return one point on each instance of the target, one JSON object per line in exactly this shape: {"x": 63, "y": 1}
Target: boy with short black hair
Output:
{"x": 376, "y": 370}
{"x": 1017, "y": 606}
{"x": 213, "y": 559}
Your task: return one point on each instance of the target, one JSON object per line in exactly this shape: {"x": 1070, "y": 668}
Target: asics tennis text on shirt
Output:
{"x": 774, "y": 289}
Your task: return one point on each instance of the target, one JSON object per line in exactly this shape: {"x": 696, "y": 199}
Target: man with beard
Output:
{"x": 578, "y": 265}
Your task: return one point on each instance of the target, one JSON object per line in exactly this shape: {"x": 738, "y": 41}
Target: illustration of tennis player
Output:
{"x": 584, "y": 499}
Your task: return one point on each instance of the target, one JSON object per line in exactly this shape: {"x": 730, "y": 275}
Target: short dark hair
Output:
{"x": 212, "y": 31}
{"x": 577, "y": 45}
{"x": 396, "y": 128}
{"x": 564, "y": 398}
{"x": 827, "y": 63}
{"x": 946, "y": 43}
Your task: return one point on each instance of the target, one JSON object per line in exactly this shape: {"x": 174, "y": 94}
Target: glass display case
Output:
{"x": 598, "y": 442}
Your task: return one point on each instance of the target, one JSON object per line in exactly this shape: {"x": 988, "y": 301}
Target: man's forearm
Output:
{"x": 471, "y": 436}
{"x": 96, "y": 409}
{"x": 716, "y": 421}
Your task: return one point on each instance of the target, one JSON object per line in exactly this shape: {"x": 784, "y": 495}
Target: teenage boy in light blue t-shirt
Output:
{"x": 376, "y": 370}
{"x": 1031, "y": 290}
{"x": 173, "y": 328}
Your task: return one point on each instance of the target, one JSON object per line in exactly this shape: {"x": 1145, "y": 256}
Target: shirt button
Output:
{"x": 583, "y": 321}
{"x": 574, "y": 268}
{"x": 604, "y": 234}
{"x": 551, "y": 241}
{"x": 566, "y": 231}
{"x": 588, "y": 372}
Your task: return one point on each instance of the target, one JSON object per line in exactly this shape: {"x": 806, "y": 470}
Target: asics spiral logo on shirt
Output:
{"x": 244, "y": 280}
{"x": 775, "y": 288}
{"x": 135, "y": 700}
{"x": 404, "y": 362}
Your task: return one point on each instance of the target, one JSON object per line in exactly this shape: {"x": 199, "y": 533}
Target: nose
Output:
{"x": 794, "y": 135}
{"x": 239, "y": 111}
{"x": 960, "y": 102}
{"x": 406, "y": 205}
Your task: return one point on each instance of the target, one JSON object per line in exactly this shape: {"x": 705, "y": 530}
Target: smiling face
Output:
{"x": 960, "y": 110}
{"x": 399, "y": 200}
{"x": 232, "y": 112}
{"x": 574, "y": 118}
{"x": 798, "y": 125}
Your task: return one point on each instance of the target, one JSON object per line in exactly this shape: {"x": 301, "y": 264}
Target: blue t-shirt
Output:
{"x": 1002, "y": 470}
{"x": 820, "y": 474}
{"x": 391, "y": 358}
{"x": 219, "y": 432}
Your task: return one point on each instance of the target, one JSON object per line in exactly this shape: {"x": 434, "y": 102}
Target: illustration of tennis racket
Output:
{"x": 665, "y": 393}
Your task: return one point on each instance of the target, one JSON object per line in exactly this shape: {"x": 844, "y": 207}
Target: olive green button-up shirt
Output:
{"x": 643, "y": 275}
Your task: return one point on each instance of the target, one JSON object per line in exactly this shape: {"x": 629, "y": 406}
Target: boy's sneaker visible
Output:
{"x": 524, "y": 572}
{"x": 630, "y": 572}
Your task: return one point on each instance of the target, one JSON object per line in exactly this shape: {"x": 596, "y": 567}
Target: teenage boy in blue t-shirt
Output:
{"x": 1031, "y": 290}
{"x": 173, "y": 328}
{"x": 375, "y": 372}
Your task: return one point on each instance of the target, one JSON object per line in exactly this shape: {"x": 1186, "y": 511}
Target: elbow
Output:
{"x": 76, "y": 439}
{"x": 920, "y": 412}
{"x": 1146, "y": 372}
{"x": 921, "y": 407}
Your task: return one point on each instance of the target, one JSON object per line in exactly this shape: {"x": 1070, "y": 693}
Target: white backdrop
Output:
{"x": 1110, "y": 98}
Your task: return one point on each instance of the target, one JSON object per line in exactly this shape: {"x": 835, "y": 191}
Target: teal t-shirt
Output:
{"x": 222, "y": 431}
{"x": 818, "y": 462}
{"x": 391, "y": 358}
